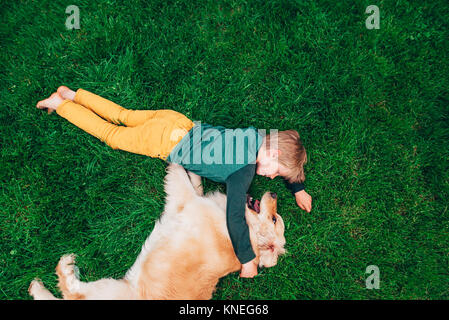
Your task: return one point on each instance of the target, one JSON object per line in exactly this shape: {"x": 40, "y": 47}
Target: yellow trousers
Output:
{"x": 149, "y": 132}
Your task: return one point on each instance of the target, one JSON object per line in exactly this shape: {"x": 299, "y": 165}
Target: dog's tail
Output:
{"x": 178, "y": 188}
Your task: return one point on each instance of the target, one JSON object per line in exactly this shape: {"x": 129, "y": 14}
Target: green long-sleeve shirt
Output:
{"x": 227, "y": 156}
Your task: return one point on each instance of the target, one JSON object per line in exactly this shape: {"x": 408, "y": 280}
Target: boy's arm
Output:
{"x": 237, "y": 184}
{"x": 295, "y": 186}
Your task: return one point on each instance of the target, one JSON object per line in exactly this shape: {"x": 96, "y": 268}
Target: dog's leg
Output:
{"x": 72, "y": 288}
{"x": 196, "y": 182}
{"x": 68, "y": 282}
{"x": 39, "y": 292}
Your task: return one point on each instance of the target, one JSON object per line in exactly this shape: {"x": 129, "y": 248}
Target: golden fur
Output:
{"x": 188, "y": 251}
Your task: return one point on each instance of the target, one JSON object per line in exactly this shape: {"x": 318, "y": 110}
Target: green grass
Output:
{"x": 371, "y": 107}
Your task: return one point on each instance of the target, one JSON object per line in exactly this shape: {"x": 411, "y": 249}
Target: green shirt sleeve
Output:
{"x": 237, "y": 185}
{"x": 294, "y": 187}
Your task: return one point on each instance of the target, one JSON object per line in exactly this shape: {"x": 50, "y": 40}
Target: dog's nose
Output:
{"x": 273, "y": 195}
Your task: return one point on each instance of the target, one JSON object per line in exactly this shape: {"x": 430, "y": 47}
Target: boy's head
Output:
{"x": 282, "y": 154}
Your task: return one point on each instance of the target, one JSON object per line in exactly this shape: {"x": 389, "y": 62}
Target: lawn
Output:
{"x": 371, "y": 106}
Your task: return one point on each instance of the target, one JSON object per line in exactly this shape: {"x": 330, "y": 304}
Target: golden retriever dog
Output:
{"x": 188, "y": 251}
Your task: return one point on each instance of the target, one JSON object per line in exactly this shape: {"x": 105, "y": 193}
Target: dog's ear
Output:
{"x": 269, "y": 256}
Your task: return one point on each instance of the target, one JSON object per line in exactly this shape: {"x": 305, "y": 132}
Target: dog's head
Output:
{"x": 267, "y": 228}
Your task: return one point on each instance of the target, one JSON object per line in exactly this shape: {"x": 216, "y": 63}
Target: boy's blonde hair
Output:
{"x": 293, "y": 154}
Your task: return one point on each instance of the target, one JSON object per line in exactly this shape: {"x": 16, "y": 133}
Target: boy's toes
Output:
{"x": 62, "y": 89}
{"x": 50, "y": 104}
{"x": 40, "y": 104}
{"x": 66, "y": 93}
{"x": 43, "y": 106}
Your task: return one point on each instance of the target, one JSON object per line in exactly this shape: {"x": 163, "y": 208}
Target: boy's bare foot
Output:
{"x": 50, "y": 103}
{"x": 66, "y": 93}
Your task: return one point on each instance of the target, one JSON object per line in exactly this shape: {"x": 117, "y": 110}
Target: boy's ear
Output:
{"x": 274, "y": 154}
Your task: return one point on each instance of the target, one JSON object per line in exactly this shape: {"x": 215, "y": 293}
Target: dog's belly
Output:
{"x": 185, "y": 255}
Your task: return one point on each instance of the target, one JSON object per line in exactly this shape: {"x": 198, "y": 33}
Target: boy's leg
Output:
{"x": 112, "y": 111}
{"x": 143, "y": 139}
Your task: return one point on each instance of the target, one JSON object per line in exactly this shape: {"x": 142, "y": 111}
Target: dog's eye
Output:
{"x": 274, "y": 219}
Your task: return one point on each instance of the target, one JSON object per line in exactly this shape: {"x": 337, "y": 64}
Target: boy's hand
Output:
{"x": 249, "y": 269}
{"x": 304, "y": 200}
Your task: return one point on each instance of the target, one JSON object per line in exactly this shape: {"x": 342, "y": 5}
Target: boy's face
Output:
{"x": 268, "y": 164}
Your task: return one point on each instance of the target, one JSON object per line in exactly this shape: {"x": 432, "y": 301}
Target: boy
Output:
{"x": 230, "y": 156}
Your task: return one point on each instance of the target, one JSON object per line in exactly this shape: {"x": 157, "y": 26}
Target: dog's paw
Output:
{"x": 35, "y": 286}
{"x": 68, "y": 274}
{"x": 66, "y": 265}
